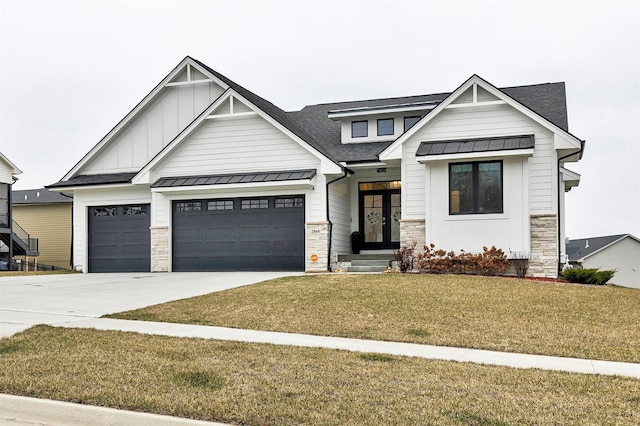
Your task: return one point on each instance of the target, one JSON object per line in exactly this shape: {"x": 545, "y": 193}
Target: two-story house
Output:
{"x": 14, "y": 240}
{"x": 203, "y": 174}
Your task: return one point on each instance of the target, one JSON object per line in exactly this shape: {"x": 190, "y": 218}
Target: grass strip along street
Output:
{"x": 493, "y": 313}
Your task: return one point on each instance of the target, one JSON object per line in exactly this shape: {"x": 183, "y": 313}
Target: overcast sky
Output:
{"x": 70, "y": 70}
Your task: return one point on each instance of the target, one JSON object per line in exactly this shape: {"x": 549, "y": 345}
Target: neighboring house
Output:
{"x": 46, "y": 214}
{"x": 619, "y": 252}
{"x": 205, "y": 175}
{"x": 14, "y": 240}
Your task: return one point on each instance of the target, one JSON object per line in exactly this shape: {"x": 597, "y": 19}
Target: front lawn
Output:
{"x": 258, "y": 384}
{"x": 503, "y": 314}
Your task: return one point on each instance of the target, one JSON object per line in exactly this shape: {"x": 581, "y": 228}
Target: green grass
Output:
{"x": 258, "y": 384}
{"x": 503, "y": 314}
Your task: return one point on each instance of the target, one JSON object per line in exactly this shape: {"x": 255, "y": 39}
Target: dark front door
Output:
{"x": 380, "y": 213}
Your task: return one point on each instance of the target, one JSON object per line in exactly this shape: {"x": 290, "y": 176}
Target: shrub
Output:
{"x": 520, "y": 262}
{"x": 491, "y": 261}
{"x": 587, "y": 276}
{"x": 406, "y": 258}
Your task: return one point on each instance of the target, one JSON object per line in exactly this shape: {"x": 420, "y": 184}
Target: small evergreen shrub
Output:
{"x": 587, "y": 276}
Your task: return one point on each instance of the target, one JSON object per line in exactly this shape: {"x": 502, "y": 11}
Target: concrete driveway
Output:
{"x": 55, "y": 299}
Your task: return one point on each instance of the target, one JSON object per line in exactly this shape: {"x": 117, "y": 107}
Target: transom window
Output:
{"x": 385, "y": 126}
{"x": 220, "y": 205}
{"x": 475, "y": 188}
{"x": 262, "y": 203}
{"x": 359, "y": 129}
{"x": 189, "y": 206}
{"x": 409, "y": 122}
{"x": 135, "y": 210}
{"x": 105, "y": 211}
{"x": 293, "y": 202}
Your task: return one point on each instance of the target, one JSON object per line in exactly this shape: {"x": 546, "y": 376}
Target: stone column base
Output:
{"x": 544, "y": 246}
{"x": 413, "y": 231}
{"x": 159, "y": 248}
{"x": 316, "y": 246}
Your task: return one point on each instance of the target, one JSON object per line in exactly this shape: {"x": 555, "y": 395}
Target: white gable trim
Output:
{"x": 166, "y": 82}
{"x": 394, "y": 151}
{"x": 14, "y": 169}
{"x": 143, "y": 176}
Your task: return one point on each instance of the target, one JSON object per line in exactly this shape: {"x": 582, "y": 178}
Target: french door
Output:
{"x": 380, "y": 214}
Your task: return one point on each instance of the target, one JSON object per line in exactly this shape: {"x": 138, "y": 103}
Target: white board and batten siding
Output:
{"x": 425, "y": 187}
{"x": 340, "y": 216}
{"x": 153, "y": 128}
{"x": 241, "y": 145}
{"x": 83, "y": 199}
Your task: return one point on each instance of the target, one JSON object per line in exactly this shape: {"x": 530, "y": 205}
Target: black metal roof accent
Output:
{"x": 100, "y": 179}
{"x": 39, "y": 196}
{"x": 275, "y": 176}
{"x": 465, "y": 146}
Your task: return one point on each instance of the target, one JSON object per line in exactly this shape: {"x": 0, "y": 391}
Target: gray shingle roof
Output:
{"x": 583, "y": 247}
{"x": 38, "y": 196}
{"x": 476, "y": 145}
{"x": 312, "y": 124}
{"x": 547, "y": 100}
{"x": 275, "y": 176}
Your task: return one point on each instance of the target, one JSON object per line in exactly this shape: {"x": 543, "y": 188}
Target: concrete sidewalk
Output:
{"x": 515, "y": 360}
{"x": 20, "y": 410}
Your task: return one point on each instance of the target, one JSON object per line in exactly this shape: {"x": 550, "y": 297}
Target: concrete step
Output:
{"x": 367, "y": 268}
{"x": 368, "y": 265}
{"x": 370, "y": 262}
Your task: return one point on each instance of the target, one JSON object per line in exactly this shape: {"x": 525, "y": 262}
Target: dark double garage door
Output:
{"x": 236, "y": 234}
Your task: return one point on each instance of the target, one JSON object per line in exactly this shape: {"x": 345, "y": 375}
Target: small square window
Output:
{"x": 282, "y": 203}
{"x": 220, "y": 205}
{"x": 189, "y": 206}
{"x": 409, "y": 122}
{"x": 385, "y": 127}
{"x": 359, "y": 129}
{"x": 262, "y": 203}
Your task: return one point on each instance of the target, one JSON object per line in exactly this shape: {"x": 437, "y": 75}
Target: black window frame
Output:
{"x": 404, "y": 121}
{"x": 475, "y": 188}
{"x": 385, "y": 120}
{"x": 366, "y": 129}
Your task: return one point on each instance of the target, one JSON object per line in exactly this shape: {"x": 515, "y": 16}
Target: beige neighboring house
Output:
{"x": 46, "y": 214}
{"x": 620, "y": 252}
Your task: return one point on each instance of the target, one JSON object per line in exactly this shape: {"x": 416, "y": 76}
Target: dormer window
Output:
{"x": 409, "y": 122}
{"x": 385, "y": 127}
{"x": 359, "y": 129}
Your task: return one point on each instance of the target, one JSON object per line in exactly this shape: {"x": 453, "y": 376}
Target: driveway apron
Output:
{"x": 62, "y": 299}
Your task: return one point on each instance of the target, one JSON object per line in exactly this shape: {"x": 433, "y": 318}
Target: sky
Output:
{"x": 71, "y": 70}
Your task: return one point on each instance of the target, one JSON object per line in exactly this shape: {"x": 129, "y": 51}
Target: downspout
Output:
{"x": 559, "y": 218}
{"x": 346, "y": 172}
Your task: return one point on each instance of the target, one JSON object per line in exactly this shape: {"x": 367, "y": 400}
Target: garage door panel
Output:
{"x": 254, "y": 235}
{"x": 119, "y": 239}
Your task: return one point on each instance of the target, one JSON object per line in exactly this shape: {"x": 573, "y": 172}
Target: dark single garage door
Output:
{"x": 239, "y": 234}
{"x": 119, "y": 238}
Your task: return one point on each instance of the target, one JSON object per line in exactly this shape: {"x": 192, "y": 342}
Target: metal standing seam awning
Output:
{"x": 235, "y": 178}
{"x": 465, "y": 147}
